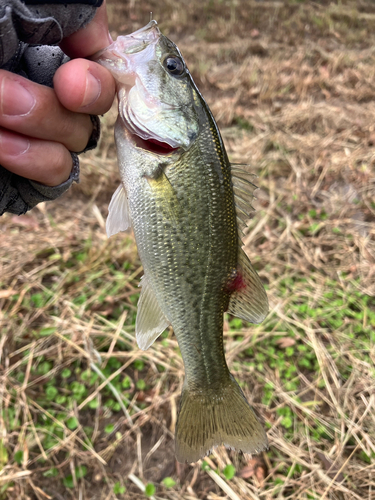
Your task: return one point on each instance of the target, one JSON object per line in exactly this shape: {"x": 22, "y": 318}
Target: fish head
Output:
{"x": 157, "y": 97}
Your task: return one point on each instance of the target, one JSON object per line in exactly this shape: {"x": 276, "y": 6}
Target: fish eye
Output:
{"x": 174, "y": 65}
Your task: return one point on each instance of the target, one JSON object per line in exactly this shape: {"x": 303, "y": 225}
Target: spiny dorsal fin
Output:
{"x": 243, "y": 195}
{"x": 150, "y": 322}
{"x": 250, "y": 301}
{"x": 118, "y": 212}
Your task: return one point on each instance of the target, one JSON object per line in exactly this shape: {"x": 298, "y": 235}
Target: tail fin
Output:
{"x": 210, "y": 419}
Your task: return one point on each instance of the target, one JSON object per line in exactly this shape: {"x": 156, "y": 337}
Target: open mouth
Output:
{"x": 153, "y": 145}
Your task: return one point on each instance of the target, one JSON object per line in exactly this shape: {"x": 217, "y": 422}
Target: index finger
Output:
{"x": 90, "y": 39}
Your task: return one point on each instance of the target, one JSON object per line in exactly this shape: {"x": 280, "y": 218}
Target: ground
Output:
{"x": 84, "y": 413}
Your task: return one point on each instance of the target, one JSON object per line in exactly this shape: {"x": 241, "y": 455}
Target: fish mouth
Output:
{"x": 153, "y": 145}
{"x": 129, "y": 44}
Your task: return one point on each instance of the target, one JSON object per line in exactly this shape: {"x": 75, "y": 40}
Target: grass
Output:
{"x": 85, "y": 414}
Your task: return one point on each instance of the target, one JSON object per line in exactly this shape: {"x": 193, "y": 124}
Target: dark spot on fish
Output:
{"x": 198, "y": 351}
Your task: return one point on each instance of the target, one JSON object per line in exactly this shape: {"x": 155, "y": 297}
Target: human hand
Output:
{"x": 40, "y": 125}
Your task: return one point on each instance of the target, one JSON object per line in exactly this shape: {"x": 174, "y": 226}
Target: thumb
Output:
{"x": 90, "y": 39}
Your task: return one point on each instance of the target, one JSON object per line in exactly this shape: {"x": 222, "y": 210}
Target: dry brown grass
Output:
{"x": 292, "y": 85}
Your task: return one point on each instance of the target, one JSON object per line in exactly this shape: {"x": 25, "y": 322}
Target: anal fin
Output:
{"x": 249, "y": 302}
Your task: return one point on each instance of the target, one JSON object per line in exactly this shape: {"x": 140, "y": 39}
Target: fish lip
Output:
{"x": 127, "y": 44}
{"x": 152, "y": 25}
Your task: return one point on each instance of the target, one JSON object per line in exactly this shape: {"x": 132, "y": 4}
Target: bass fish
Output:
{"x": 187, "y": 206}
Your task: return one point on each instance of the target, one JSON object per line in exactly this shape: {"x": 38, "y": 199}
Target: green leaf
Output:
{"x": 78, "y": 388}
{"x": 94, "y": 403}
{"x": 150, "y": 490}
{"x": 44, "y": 367}
{"x": 72, "y": 423}
{"x": 141, "y": 384}
{"x": 205, "y": 465}
{"x": 3, "y": 454}
{"x": 139, "y": 364}
{"x": 51, "y": 392}
{"x": 114, "y": 363}
{"x": 93, "y": 378}
{"x": 85, "y": 375}
{"x": 287, "y": 422}
{"x": 289, "y": 351}
{"x": 80, "y": 471}
{"x": 68, "y": 481}
{"x": 60, "y": 399}
{"x": 44, "y": 332}
{"x": 51, "y": 472}
{"x": 118, "y": 489}
{"x": 236, "y": 324}
{"x": 126, "y": 383}
{"x": 37, "y": 299}
{"x": 229, "y": 472}
{"x": 109, "y": 428}
{"x": 65, "y": 373}
{"x": 168, "y": 482}
{"x": 18, "y": 457}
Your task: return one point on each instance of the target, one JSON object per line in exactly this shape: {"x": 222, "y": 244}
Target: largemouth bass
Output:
{"x": 187, "y": 206}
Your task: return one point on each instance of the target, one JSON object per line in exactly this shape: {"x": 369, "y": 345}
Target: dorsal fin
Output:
{"x": 250, "y": 301}
{"x": 243, "y": 188}
{"x": 118, "y": 212}
{"x": 150, "y": 322}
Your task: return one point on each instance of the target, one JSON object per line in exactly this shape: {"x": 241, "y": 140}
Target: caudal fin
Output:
{"x": 220, "y": 417}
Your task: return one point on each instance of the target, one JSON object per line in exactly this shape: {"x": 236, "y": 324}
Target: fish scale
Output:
{"x": 181, "y": 201}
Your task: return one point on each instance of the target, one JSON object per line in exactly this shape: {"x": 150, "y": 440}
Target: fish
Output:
{"x": 188, "y": 208}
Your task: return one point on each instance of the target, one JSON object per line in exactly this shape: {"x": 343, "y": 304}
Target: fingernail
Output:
{"x": 93, "y": 90}
{"x": 13, "y": 145}
{"x": 16, "y": 100}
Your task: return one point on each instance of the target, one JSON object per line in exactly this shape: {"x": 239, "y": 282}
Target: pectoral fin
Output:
{"x": 165, "y": 196}
{"x": 249, "y": 301}
{"x": 150, "y": 322}
{"x": 118, "y": 212}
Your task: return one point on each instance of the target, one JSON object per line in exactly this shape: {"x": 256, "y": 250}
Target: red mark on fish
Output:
{"x": 236, "y": 282}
